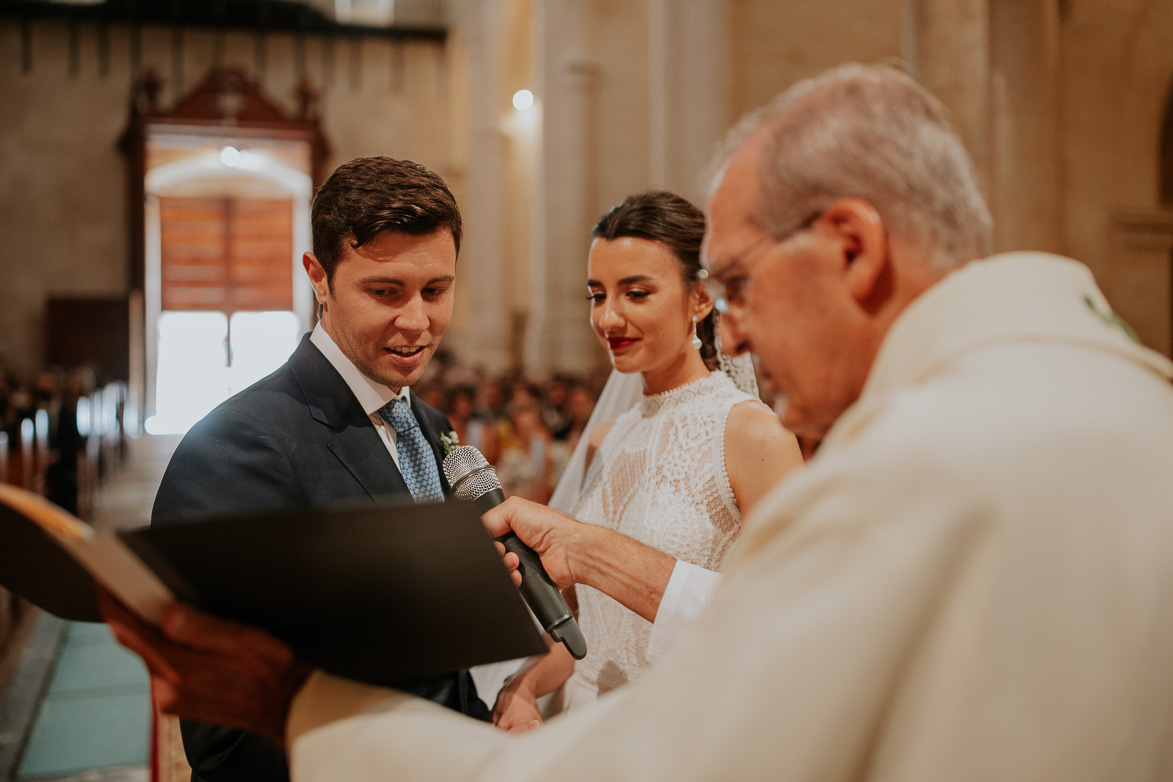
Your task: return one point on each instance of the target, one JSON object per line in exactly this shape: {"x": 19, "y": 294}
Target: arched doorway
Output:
{"x": 225, "y": 182}
{"x": 224, "y": 227}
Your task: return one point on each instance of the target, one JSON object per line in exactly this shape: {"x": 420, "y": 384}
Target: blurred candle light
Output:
{"x": 230, "y": 156}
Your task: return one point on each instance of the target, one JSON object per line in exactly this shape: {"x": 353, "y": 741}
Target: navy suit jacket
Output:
{"x": 296, "y": 438}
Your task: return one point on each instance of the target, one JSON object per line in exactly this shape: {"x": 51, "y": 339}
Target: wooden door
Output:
{"x": 226, "y": 254}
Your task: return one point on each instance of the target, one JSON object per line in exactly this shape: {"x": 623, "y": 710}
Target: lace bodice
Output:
{"x": 659, "y": 477}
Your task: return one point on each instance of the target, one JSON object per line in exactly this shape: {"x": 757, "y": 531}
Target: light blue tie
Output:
{"x": 417, "y": 463}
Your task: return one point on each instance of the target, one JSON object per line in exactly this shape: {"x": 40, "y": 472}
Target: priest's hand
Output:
{"x": 211, "y": 670}
{"x": 555, "y": 537}
{"x": 573, "y": 552}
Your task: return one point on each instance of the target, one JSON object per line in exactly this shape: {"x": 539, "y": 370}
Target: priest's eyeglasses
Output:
{"x": 727, "y": 285}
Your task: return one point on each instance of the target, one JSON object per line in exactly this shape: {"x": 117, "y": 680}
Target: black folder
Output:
{"x": 374, "y": 593}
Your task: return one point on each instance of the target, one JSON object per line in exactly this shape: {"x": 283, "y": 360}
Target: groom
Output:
{"x": 323, "y": 427}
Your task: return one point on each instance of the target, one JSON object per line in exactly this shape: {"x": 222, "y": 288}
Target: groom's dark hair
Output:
{"x": 370, "y": 195}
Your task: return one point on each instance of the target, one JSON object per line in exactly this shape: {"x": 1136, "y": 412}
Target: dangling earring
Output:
{"x": 696, "y": 338}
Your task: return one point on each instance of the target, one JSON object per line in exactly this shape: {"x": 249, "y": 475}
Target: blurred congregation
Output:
{"x": 526, "y": 426}
{"x": 63, "y": 431}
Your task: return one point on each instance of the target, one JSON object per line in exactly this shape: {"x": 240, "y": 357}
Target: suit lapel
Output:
{"x": 352, "y": 439}
{"x": 375, "y": 470}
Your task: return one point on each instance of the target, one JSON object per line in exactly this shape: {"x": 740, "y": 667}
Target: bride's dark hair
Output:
{"x": 660, "y": 216}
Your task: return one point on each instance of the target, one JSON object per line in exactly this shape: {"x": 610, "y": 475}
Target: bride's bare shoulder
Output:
{"x": 759, "y": 452}
{"x": 752, "y": 418}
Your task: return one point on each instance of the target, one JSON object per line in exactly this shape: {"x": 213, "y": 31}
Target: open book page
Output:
{"x": 105, "y": 557}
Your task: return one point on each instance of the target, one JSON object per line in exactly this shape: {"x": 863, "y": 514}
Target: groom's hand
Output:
{"x": 556, "y": 538}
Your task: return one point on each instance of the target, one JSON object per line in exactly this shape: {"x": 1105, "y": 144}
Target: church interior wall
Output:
{"x": 63, "y": 220}
{"x": 777, "y": 44}
{"x": 63, "y": 177}
{"x": 619, "y": 51}
{"x": 1118, "y": 76}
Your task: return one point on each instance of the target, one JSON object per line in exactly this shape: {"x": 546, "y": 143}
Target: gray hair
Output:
{"x": 868, "y": 132}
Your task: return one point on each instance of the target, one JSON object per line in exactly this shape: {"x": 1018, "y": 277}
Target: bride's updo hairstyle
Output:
{"x": 666, "y": 218}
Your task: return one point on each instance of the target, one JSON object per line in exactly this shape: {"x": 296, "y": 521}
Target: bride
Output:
{"x": 676, "y": 471}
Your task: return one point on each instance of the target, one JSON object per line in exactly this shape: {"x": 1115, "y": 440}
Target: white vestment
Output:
{"x": 973, "y": 580}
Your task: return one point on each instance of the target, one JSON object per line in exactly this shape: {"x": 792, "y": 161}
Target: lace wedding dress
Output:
{"x": 659, "y": 477}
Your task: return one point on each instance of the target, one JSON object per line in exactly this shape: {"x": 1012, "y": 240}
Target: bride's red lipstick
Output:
{"x": 618, "y": 343}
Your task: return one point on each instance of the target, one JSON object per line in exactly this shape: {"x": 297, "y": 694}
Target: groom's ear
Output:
{"x": 317, "y": 274}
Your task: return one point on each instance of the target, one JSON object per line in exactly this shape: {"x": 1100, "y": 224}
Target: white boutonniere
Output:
{"x": 449, "y": 440}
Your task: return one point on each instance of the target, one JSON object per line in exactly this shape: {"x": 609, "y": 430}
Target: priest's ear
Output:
{"x": 861, "y": 243}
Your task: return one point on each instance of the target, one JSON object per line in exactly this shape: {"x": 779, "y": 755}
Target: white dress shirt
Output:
{"x": 371, "y": 394}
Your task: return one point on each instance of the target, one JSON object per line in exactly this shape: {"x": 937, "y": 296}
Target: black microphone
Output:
{"x": 473, "y": 478}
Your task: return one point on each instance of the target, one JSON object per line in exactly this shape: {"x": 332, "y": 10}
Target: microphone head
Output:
{"x": 469, "y": 474}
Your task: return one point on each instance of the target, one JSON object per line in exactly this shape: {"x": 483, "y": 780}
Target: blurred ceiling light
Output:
{"x": 523, "y": 100}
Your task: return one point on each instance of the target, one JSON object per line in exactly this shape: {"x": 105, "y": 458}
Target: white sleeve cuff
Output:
{"x": 688, "y": 592}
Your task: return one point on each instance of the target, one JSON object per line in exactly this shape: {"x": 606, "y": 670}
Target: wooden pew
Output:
{"x": 14, "y": 614}
{"x": 21, "y": 455}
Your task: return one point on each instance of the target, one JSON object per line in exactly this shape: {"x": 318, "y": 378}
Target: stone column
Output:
{"x": 557, "y": 335}
{"x": 1026, "y": 193}
{"x": 947, "y": 44}
{"x": 483, "y": 338}
{"x": 688, "y": 56}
